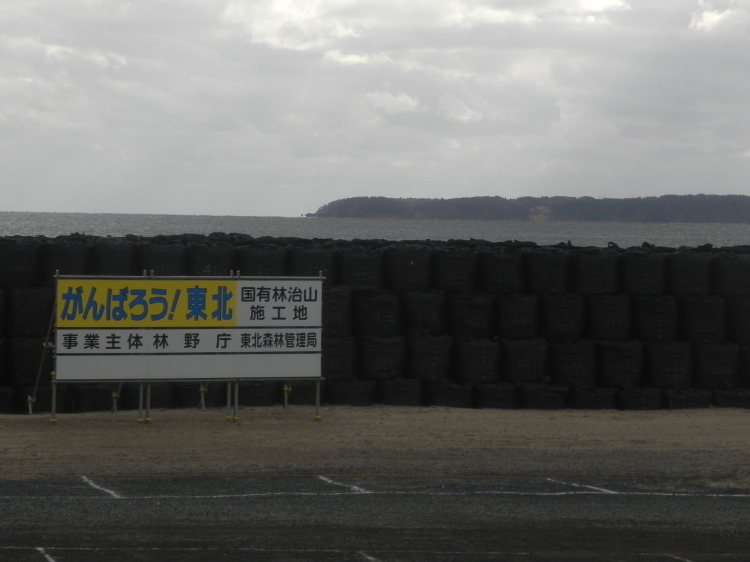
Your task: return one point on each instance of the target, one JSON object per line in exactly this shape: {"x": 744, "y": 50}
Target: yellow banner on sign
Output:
{"x": 147, "y": 303}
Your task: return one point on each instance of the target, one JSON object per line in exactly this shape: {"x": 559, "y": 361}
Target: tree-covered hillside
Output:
{"x": 666, "y": 208}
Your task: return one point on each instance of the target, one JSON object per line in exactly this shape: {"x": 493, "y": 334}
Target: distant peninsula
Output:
{"x": 665, "y": 208}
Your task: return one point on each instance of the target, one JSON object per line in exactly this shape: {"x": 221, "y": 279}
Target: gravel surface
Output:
{"x": 709, "y": 445}
{"x": 379, "y": 484}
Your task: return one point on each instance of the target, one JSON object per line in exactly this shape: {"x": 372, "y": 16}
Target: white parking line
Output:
{"x": 105, "y": 490}
{"x": 365, "y": 556}
{"x": 604, "y": 490}
{"x": 352, "y": 490}
{"x": 47, "y": 557}
{"x": 399, "y": 493}
{"x": 388, "y": 493}
{"x": 356, "y": 489}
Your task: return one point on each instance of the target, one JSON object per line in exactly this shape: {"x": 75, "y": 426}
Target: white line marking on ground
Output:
{"x": 252, "y": 549}
{"x": 603, "y": 490}
{"x": 47, "y": 557}
{"x": 485, "y": 493}
{"x": 356, "y": 489}
{"x": 101, "y": 488}
{"x": 367, "y": 557}
{"x": 292, "y": 550}
{"x": 390, "y": 493}
{"x": 361, "y": 491}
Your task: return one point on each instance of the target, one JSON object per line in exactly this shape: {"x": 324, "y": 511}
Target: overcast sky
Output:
{"x": 275, "y": 107}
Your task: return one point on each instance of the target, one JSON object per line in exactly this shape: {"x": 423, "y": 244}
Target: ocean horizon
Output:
{"x": 579, "y": 233}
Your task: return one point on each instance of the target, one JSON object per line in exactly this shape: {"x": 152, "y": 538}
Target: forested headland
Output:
{"x": 665, "y": 208}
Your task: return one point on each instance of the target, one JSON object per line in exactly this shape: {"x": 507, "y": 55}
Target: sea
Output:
{"x": 624, "y": 234}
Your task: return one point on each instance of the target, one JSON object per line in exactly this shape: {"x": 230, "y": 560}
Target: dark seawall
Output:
{"x": 462, "y": 323}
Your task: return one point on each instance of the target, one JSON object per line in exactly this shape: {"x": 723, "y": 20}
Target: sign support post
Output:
{"x": 318, "y": 417}
{"x": 115, "y": 395}
{"x": 148, "y": 403}
{"x": 140, "y": 402}
{"x": 229, "y": 400}
{"x": 203, "y": 390}
{"x": 53, "y": 414}
{"x": 31, "y": 400}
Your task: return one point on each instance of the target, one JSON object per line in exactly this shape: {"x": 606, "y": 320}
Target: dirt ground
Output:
{"x": 710, "y": 445}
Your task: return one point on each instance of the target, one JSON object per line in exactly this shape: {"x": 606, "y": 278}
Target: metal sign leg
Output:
{"x": 115, "y": 395}
{"x": 45, "y": 346}
{"x": 140, "y": 403}
{"x": 148, "y": 403}
{"x": 53, "y": 415}
{"x": 203, "y": 390}
{"x": 317, "y": 417}
{"x": 229, "y": 400}
{"x": 232, "y": 402}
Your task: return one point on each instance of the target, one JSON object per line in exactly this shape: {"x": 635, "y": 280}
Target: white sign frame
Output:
{"x": 285, "y": 343}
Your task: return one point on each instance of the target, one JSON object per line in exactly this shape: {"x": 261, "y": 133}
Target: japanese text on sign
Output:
{"x": 172, "y": 303}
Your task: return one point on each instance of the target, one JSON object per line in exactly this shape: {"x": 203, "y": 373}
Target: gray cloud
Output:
{"x": 274, "y": 107}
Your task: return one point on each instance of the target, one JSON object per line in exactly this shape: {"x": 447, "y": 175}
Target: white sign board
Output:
{"x": 196, "y": 328}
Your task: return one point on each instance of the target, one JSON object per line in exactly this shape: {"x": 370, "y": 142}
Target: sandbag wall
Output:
{"x": 456, "y": 323}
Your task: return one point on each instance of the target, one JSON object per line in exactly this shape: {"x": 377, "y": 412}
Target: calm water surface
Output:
{"x": 579, "y": 233}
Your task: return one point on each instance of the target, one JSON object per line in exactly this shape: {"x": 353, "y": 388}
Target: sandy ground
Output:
{"x": 378, "y": 483}
{"x": 710, "y": 445}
